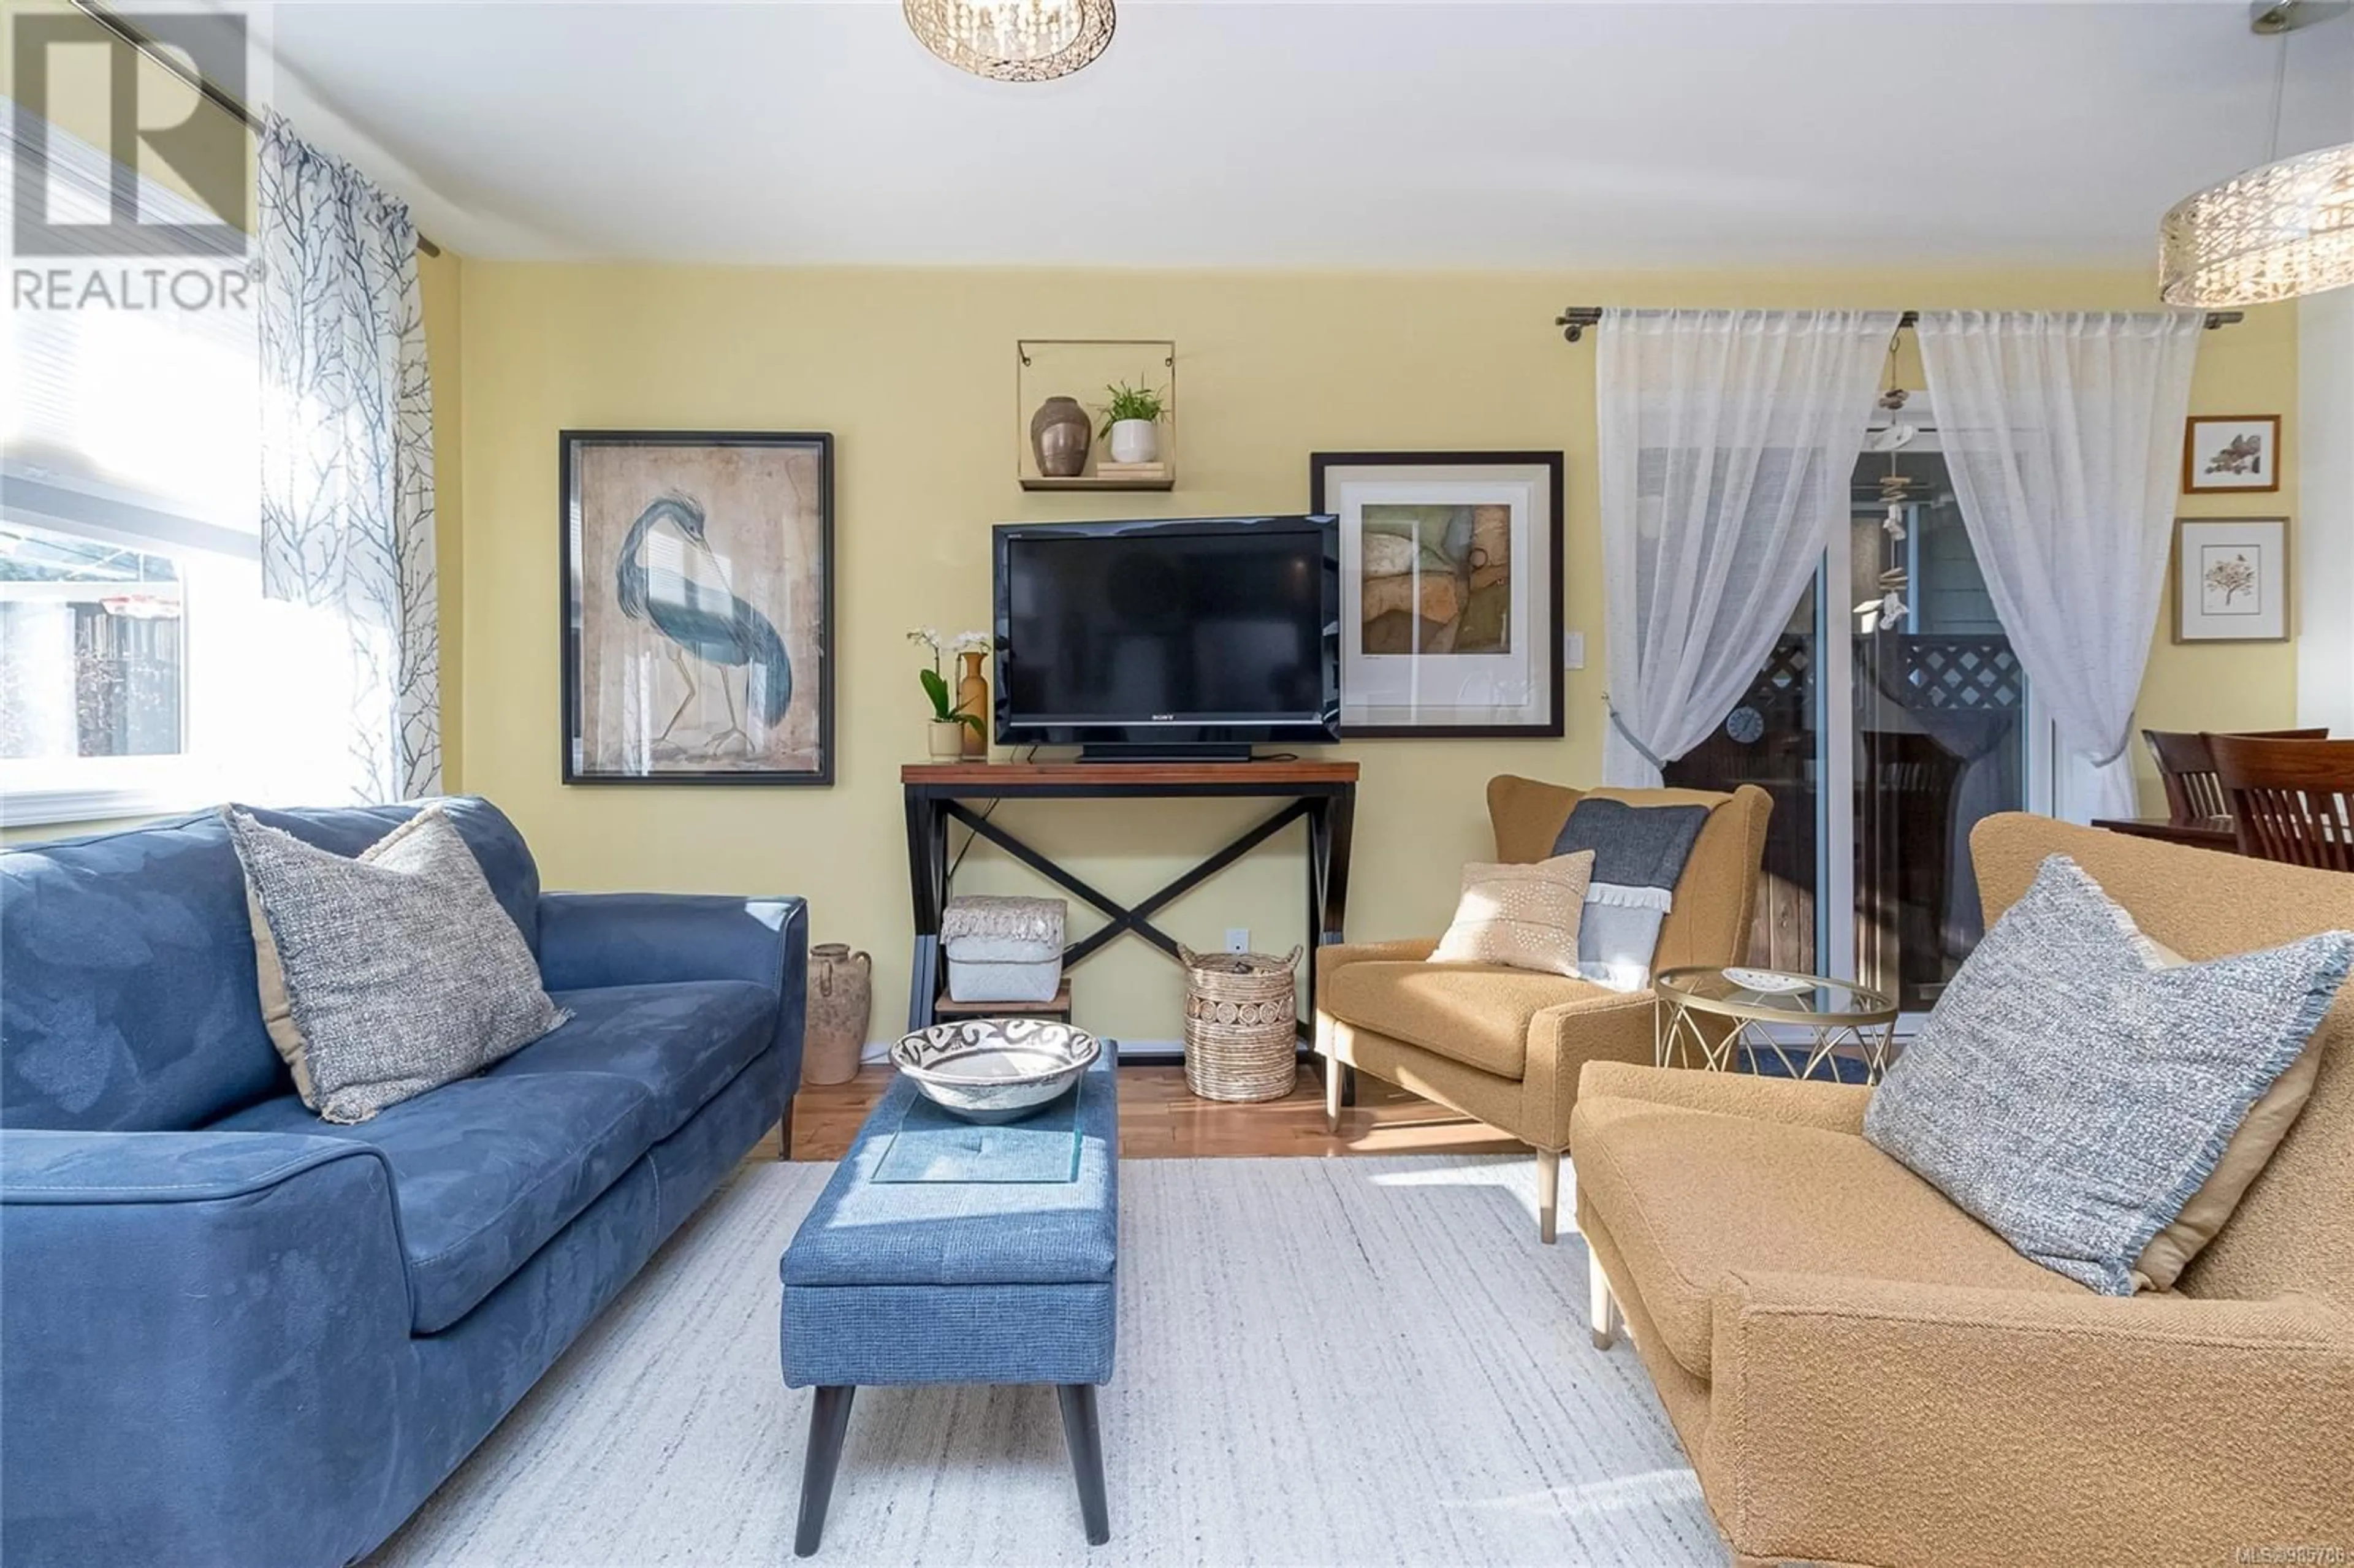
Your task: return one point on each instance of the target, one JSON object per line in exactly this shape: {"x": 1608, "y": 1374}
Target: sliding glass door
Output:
{"x": 1890, "y": 718}
{"x": 1774, "y": 739}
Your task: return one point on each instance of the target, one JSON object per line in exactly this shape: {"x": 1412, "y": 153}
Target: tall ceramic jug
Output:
{"x": 840, "y": 992}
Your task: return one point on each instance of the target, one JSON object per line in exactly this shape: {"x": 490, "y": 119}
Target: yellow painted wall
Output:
{"x": 913, "y": 373}
{"x": 2238, "y": 685}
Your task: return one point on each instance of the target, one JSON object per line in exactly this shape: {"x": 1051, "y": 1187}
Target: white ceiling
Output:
{"x": 1505, "y": 135}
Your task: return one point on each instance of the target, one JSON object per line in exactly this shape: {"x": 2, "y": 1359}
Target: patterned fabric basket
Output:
{"x": 1242, "y": 1017}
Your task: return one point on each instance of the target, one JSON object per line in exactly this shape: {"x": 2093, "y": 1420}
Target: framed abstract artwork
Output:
{"x": 698, "y": 607}
{"x": 2230, "y": 579}
{"x": 2231, "y": 452}
{"x": 1450, "y": 590}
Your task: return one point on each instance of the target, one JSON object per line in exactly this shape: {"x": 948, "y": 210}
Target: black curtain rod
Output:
{"x": 1575, "y": 319}
{"x": 206, "y": 89}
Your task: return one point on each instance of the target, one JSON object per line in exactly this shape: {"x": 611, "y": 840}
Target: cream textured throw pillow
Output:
{"x": 1523, "y": 916}
{"x": 388, "y": 975}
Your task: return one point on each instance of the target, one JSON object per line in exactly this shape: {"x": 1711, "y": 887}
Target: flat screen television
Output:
{"x": 1172, "y": 638}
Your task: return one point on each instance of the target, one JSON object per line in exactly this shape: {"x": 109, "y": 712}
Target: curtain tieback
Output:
{"x": 2122, "y": 746}
{"x": 1632, "y": 739}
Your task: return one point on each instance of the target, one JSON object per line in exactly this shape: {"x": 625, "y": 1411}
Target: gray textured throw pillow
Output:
{"x": 388, "y": 975}
{"x": 2073, "y": 1091}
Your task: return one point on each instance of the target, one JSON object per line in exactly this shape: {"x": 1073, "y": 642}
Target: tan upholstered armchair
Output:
{"x": 1862, "y": 1373}
{"x": 1505, "y": 1046}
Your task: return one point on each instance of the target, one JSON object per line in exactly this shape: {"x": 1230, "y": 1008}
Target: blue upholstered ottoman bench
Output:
{"x": 962, "y": 1255}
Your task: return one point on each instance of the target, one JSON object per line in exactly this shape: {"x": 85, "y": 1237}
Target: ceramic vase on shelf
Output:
{"x": 1136, "y": 440}
{"x": 840, "y": 995}
{"x": 1060, "y": 433}
{"x": 944, "y": 740}
{"x": 972, "y": 697}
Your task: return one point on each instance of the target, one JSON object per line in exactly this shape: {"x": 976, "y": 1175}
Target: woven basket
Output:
{"x": 1242, "y": 1017}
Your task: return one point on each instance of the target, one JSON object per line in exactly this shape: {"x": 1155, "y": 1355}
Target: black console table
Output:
{"x": 1322, "y": 795}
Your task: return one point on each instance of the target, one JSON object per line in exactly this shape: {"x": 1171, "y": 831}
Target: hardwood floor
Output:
{"x": 1160, "y": 1120}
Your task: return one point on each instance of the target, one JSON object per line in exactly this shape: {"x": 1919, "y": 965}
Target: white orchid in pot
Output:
{"x": 944, "y": 735}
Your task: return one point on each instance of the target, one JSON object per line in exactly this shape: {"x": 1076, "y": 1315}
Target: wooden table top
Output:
{"x": 2207, "y": 832}
{"x": 983, "y": 777}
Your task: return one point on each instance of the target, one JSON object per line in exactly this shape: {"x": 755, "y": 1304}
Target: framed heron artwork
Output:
{"x": 698, "y": 607}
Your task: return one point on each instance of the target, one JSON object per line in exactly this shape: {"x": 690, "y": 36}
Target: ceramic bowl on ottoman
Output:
{"x": 995, "y": 1069}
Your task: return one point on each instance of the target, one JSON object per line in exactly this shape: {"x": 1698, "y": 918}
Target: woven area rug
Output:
{"x": 1355, "y": 1361}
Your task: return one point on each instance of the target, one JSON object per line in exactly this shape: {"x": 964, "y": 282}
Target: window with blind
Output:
{"x": 129, "y": 475}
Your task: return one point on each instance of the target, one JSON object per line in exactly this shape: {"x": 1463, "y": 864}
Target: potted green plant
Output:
{"x": 944, "y": 735}
{"x": 1132, "y": 421}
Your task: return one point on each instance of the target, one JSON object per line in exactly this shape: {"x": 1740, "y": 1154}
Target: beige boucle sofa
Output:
{"x": 1862, "y": 1374}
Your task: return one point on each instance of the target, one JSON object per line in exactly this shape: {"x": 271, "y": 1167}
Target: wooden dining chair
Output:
{"x": 2187, "y": 769}
{"x": 2290, "y": 800}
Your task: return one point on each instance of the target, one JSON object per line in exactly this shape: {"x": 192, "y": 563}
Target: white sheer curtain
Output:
{"x": 2063, "y": 435}
{"x": 347, "y": 476}
{"x": 1728, "y": 441}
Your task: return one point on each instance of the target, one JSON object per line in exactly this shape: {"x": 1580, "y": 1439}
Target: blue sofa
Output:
{"x": 231, "y": 1333}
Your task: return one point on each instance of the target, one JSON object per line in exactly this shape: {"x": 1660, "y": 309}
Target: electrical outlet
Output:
{"x": 1238, "y": 938}
{"x": 1573, "y": 649}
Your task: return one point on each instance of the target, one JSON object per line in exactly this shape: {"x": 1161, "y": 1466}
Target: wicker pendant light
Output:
{"x": 1012, "y": 40}
{"x": 2274, "y": 232}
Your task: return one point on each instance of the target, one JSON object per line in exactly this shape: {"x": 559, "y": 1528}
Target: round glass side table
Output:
{"x": 1710, "y": 1018}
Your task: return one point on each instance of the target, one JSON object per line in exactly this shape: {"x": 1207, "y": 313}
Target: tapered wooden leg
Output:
{"x": 1601, "y": 1307}
{"x": 1548, "y": 1193}
{"x": 1078, "y": 1402}
{"x": 828, "y": 1420}
{"x": 1333, "y": 1076}
{"x": 785, "y": 1133}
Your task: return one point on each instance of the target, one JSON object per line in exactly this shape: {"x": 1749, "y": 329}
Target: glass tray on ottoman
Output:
{"x": 937, "y": 1145}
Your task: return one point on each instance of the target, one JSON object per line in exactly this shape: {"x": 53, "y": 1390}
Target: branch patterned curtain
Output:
{"x": 1728, "y": 441}
{"x": 348, "y": 467}
{"x": 2063, "y": 434}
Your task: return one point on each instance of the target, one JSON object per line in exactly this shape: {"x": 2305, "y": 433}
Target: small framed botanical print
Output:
{"x": 1450, "y": 590}
{"x": 2231, "y": 452}
{"x": 2230, "y": 579}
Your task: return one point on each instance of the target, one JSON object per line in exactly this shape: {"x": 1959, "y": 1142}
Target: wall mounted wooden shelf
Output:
{"x": 1084, "y": 369}
{"x": 1089, "y": 481}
